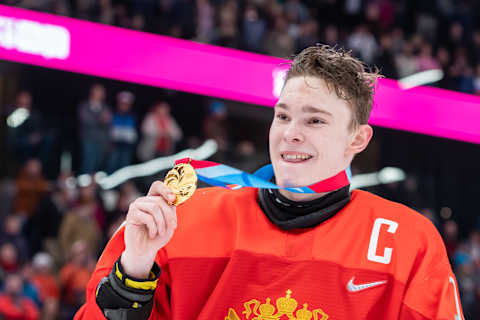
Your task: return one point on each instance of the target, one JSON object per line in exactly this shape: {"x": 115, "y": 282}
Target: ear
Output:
{"x": 360, "y": 139}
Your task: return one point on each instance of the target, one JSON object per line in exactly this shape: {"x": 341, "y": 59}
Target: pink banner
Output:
{"x": 104, "y": 51}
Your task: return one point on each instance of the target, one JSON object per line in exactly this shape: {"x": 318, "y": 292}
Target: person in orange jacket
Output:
{"x": 274, "y": 254}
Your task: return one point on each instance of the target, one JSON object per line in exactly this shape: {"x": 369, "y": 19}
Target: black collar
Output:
{"x": 288, "y": 214}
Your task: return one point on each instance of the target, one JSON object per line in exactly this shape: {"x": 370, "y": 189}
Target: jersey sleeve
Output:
{"x": 111, "y": 253}
{"x": 432, "y": 291}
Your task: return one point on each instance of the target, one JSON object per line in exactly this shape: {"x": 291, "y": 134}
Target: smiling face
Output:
{"x": 310, "y": 137}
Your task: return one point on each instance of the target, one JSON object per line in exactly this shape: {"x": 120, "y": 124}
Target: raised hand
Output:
{"x": 150, "y": 225}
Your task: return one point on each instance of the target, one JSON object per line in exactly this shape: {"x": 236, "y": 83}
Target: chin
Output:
{"x": 295, "y": 177}
{"x": 292, "y": 181}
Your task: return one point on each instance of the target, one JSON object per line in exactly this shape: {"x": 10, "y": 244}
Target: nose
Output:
{"x": 293, "y": 134}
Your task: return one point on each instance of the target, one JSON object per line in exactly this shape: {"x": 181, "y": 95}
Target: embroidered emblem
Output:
{"x": 286, "y": 308}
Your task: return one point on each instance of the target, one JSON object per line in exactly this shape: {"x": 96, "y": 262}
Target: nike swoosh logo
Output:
{"x": 360, "y": 287}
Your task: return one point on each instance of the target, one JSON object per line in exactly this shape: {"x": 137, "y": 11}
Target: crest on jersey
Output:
{"x": 284, "y": 308}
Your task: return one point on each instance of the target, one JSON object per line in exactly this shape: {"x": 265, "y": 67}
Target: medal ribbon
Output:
{"x": 227, "y": 177}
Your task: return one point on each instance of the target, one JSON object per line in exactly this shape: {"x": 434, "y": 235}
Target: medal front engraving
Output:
{"x": 182, "y": 180}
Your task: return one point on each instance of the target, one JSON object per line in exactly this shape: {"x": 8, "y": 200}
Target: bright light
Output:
{"x": 17, "y": 117}
{"x": 386, "y": 175}
{"x": 32, "y": 37}
{"x": 84, "y": 180}
{"x": 390, "y": 174}
{"x": 421, "y": 78}
{"x": 206, "y": 150}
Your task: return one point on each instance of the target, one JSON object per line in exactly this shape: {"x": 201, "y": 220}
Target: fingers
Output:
{"x": 163, "y": 216}
{"x": 139, "y": 218}
{"x": 158, "y": 188}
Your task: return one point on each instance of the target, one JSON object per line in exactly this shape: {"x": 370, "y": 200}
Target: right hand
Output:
{"x": 150, "y": 225}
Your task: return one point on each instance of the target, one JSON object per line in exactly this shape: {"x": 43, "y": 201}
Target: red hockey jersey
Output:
{"x": 374, "y": 259}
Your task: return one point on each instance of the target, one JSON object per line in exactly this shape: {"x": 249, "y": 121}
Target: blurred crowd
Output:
{"x": 54, "y": 229}
{"x": 401, "y": 37}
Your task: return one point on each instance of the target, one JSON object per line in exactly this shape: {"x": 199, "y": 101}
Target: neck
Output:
{"x": 301, "y": 196}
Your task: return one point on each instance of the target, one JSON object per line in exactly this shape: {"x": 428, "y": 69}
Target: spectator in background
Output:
{"x": 31, "y": 186}
{"x": 467, "y": 80}
{"x": 475, "y": 49}
{"x": 138, "y": 22}
{"x": 122, "y": 18}
{"x": 253, "y": 29}
{"x": 279, "y": 42}
{"x": 331, "y": 37}
{"x": 455, "y": 38}
{"x": 47, "y": 285}
{"x": 205, "y": 23}
{"x": 450, "y": 238}
{"x": 106, "y": 14}
{"x": 29, "y": 288}
{"x": 385, "y": 57}
{"x": 84, "y": 222}
{"x": 215, "y": 125}
{"x": 467, "y": 278}
{"x": 467, "y": 269}
{"x": 432, "y": 216}
{"x": 123, "y": 133}
{"x": 299, "y": 10}
{"x": 406, "y": 62}
{"x": 12, "y": 233}
{"x": 62, "y": 8}
{"x": 13, "y": 304}
{"x": 74, "y": 277}
{"x": 27, "y": 134}
{"x": 227, "y": 33}
{"x": 8, "y": 258}
{"x": 42, "y": 228}
{"x": 95, "y": 119}
{"x": 160, "y": 133}
{"x": 308, "y": 35}
{"x": 363, "y": 43}
{"x": 425, "y": 60}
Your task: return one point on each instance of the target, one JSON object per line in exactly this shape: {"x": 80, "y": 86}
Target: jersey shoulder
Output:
{"x": 376, "y": 207}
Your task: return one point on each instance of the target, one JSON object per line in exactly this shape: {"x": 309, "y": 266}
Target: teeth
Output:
{"x": 296, "y": 157}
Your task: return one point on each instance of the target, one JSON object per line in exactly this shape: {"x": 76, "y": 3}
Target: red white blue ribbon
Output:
{"x": 224, "y": 176}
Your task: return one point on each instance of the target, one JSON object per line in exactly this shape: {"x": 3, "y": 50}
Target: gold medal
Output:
{"x": 182, "y": 180}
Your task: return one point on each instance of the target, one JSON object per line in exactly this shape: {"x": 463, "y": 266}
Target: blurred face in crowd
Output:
{"x": 24, "y": 100}
{"x": 87, "y": 193}
{"x": 124, "y": 101}
{"x": 13, "y": 225}
{"x": 124, "y": 107}
{"x": 79, "y": 253}
{"x": 97, "y": 93}
{"x": 33, "y": 168}
{"x": 8, "y": 255}
{"x": 310, "y": 135}
{"x": 14, "y": 284}
{"x": 162, "y": 109}
{"x": 331, "y": 34}
{"x": 67, "y": 188}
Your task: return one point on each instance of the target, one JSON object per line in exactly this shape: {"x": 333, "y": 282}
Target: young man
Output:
{"x": 267, "y": 254}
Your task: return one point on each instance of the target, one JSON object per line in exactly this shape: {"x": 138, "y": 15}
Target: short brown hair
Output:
{"x": 342, "y": 72}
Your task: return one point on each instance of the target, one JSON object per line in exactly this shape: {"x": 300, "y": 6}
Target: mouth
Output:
{"x": 295, "y": 157}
